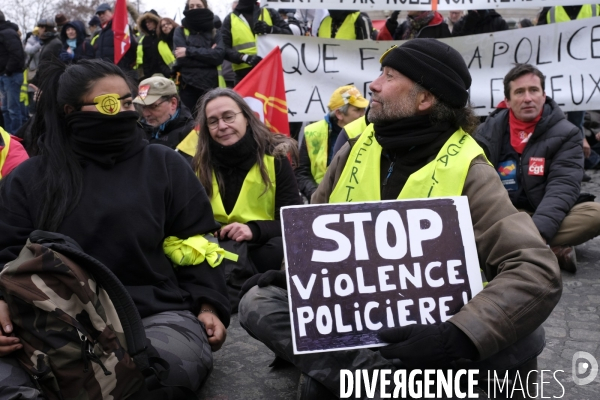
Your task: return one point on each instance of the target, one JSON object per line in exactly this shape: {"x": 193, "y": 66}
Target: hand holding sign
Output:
{"x": 427, "y": 346}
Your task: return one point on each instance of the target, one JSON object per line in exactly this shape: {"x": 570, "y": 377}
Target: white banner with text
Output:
{"x": 568, "y": 54}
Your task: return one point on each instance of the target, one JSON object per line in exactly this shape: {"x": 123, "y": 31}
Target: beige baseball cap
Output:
{"x": 153, "y": 88}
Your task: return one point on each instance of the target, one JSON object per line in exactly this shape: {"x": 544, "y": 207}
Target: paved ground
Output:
{"x": 242, "y": 372}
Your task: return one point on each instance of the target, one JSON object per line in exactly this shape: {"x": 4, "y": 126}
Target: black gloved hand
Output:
{"x": 261, "y": 28}
{"x": 253, "y": 60}
{"x": 392, "y": 22}
{"x": 427, "y": 346}
{"x": 274, "y": 278}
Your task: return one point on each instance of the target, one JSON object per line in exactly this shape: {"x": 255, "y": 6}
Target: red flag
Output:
{"x": 264, "y": 91}
{"x": 120, "y": 27}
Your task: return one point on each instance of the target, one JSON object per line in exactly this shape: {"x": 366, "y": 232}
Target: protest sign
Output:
{"x": 355, "y": 268}
{"x": 566, "y": 53}
{"x": 439, "y": 5}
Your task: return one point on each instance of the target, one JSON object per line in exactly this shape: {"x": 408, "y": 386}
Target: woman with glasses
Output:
{"x": 123, "y": 201}
{"x": 166, "y": 31}
{"x": 199, "y": 51}
{"x": 246, "y": 173}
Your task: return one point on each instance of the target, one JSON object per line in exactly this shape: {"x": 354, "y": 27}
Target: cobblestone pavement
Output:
{"x": 241, "y": 368}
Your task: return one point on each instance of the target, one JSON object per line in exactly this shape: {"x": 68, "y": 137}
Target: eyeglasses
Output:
{"x": 154, "y": 106}
{"x": 228, "y": 117}
{"x": 166, "y": 24}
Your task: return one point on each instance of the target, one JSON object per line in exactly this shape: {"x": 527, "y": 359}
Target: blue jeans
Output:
{"x": 10, "y": 89}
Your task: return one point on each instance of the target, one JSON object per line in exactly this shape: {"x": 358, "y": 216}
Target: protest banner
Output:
{"x": 439, "y": 5}
{"x": 355, "y": 268}
{"x": 566, "y": 53}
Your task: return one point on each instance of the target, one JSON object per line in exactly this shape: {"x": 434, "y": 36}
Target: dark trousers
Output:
{"x": 190, "y": 95}
{"x": 267, "y": 256}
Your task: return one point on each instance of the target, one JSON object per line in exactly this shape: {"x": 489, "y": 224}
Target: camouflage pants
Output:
{"x": 178, "y": 337}
{"x": 265, "y": 314}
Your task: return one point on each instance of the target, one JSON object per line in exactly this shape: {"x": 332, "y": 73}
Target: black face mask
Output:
{"x": 104, "y": 139}
{"x": 199, "y": 19}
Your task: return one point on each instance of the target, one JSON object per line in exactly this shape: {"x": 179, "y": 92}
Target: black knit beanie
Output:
{"x": 434, "y": 65}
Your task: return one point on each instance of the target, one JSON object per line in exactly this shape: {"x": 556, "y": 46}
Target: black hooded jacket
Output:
{"x": 84, "y": 49}
{"x": 51, "y": 47}
{"x": 104, "y": 47}
{"x": 152, "y": 61}
{"x": 479, "y": 21}
{"x": 559, "y": 143}
{"x": 12, "y": 55}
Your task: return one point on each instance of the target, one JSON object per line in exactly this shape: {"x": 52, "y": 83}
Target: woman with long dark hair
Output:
{"x": 246, "y": 173}
{"x": 166, "y": 31}
{"x": 97, "y": 181}
{"x": 199, "y": 51}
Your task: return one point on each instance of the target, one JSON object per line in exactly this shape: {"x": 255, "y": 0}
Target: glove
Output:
{"x": 253, "y": 60}
{"x": 391, "y": 23}
{"x": 427, "y": 346}
{"x": 274, "y": 278}
{"x": 261, "y": 28}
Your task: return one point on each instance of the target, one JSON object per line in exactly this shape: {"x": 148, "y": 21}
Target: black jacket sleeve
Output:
{"x": 363, "y": 27}
{"x": 286, "y": 194}
{"x": 542, "y": 17}
{"x": 14, "y": 50}
{"x": 563, "y": 183}
{"x": 200, "y": 55}
{"x": 306, "y": 182}
{"x": 189, "y": 214}
{"x": 280, "y": 27}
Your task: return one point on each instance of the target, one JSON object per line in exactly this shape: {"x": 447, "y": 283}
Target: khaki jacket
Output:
{"x": 524, "y": 278}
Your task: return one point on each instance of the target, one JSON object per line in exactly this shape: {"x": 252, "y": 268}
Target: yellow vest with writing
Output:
{"x": 242, "y": 37}
{"x": 346, "y": 31}
{"x": 316, "y": 138}
{"x": 252, "y": 204}
{"x": 356, "y": 127}
{"x": 558, "y": 13}
{"x": 4, "y": 152}
{"x": 444, "y": 176}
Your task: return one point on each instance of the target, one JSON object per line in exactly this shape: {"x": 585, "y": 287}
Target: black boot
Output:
{"x": 311, "y": 389}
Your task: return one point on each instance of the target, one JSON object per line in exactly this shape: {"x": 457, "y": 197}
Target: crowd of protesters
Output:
{"x": 174, "y": 82}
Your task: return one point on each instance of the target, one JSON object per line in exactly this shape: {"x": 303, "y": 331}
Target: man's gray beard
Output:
{"x": 392, "y": 111}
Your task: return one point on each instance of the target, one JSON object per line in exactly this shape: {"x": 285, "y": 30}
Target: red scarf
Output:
{"x": 520, "y": 131}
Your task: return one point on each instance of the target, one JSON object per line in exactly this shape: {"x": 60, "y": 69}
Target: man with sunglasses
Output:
{"x": 166, "y": 119}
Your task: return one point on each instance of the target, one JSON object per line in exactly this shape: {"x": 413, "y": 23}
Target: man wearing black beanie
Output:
{"x": 418, "y": 142}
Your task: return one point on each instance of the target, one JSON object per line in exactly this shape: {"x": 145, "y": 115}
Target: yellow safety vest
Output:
{"x": 24, "y": 96}
{"x": 356, "y": 127}
{"x": 163, "y": 49}
{"x": 189, "y": 144}
{"x": 316, "y": 138}
{"x": 346, "y": 31}
{"x": 444, "y": 176}
{"x": 252, "y": 204}
{"x": 222, "y": 83}
{"x": 558, "y": 13}
{"x": 4, "y": 152}
{"x": 94, "y": 38}
{"x": 243, "y": 39}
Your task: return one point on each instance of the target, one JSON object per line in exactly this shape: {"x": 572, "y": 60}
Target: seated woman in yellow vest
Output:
{"x": 346, "y": 24}
{"x": 246, "y": 173}
{"x": 199, "y": 51}
{"x": 345, "y": 106}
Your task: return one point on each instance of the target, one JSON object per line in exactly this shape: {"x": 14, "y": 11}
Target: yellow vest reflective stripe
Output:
{"x": 23, "y": 96}
{"x": 251, "y": 204}
{"x": 222, "y": 83}
{"x": 346, "y": 31}
{"x": 356, "y": 127}
{"x": 166, "y": 53}
{"x": 444, "y": 176}
{"x": 243, "y": 39}
{"x": 4, "y": 152}
{"x": 316, "y": 138}
{"x": 558, "y": 13}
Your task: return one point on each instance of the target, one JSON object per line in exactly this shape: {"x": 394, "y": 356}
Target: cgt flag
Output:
{"x": 264, "y": 91}
{"x": 120, "y": 27}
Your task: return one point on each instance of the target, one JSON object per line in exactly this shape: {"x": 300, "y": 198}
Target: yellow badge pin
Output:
{"x": 109, "y": 104}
